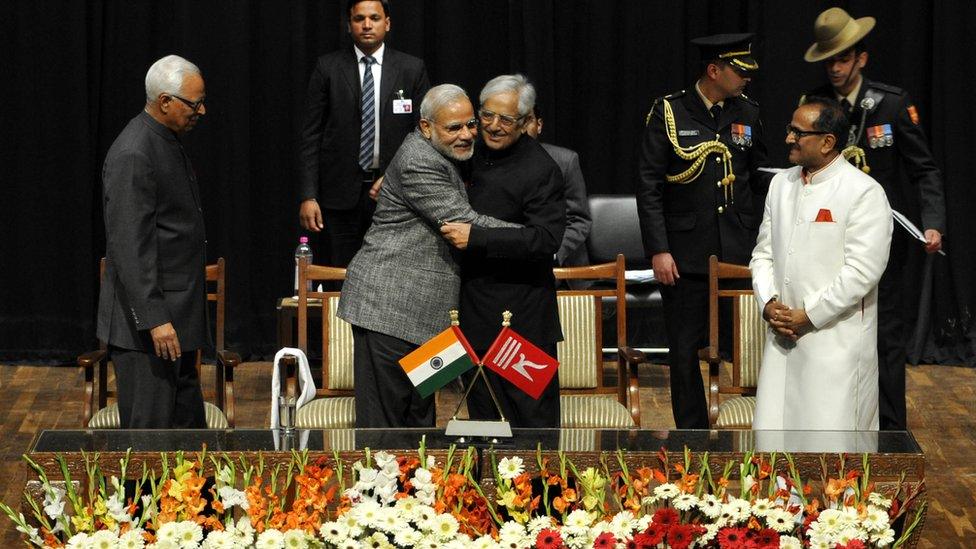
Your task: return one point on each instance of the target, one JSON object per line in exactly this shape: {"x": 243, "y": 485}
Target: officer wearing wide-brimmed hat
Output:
{"x": 887, "y": 142}
{"x": 699, "y": 193}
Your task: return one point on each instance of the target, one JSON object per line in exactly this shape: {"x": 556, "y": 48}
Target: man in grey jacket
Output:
{"x": 402, "y": 283}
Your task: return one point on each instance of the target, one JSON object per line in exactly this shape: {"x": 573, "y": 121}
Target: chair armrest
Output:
{"x": 89, "y": 363}
{"x": 709, "y": 354}
{"x": 224, "y": 387}
{"x": 628, "y": 386}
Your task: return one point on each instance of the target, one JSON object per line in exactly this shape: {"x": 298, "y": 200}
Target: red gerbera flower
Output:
{"x": 732, "y": 538}
{"x": 680, "y": 536}
{"x": 548, "y": 539}
{"x": 854, "y": 544}
{"x": 604, "y": 540}
{"x": 767, "y": 537}
{"x": 656, "y": 532}
{"x": 666, "y": 516}
{"x": 644, "y": 541}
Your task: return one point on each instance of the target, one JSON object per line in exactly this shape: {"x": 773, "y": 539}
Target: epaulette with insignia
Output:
{"x": 647, "y": 119}
{"x": 748, "y": 99}
{"x": 886, "y": 88}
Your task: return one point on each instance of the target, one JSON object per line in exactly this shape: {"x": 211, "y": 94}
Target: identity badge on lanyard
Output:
{"x": 401, "y": 105}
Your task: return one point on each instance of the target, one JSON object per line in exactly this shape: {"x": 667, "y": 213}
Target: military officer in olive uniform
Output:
{"x": 700, "y": 193}
{"x": 887, "y": 142}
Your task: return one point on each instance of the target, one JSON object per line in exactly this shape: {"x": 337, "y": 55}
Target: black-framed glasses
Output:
{"x": 456, "y": 127}
{"x": 195, "y": 105}
{"x": 800, "y": 134}
{"x": 506, "y": 120}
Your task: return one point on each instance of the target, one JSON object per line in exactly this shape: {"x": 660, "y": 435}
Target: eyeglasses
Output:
{"x": 505, "y": 120}
{"x": 456, "y": 127}
{"x": 195, "y": 105}
{"x": 800, "y": 134}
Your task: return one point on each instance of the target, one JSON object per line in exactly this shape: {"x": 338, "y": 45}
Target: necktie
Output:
{"x": 846, "y": 105}
{"x": 368, "y": 133}
{"x": 715, "y": 111}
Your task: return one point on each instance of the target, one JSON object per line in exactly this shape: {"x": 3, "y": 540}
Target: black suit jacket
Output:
{"x": 572, "y": 251}
{"x": 155, "y": 241}
{"x": 329, "y": 155}
{"x": 508, "y": 268}
{"x": 902, "y": 165}
{"x": 694, "y": 220}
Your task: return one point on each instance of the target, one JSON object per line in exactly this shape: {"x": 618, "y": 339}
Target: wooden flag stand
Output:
{"x": 484, "y": 429}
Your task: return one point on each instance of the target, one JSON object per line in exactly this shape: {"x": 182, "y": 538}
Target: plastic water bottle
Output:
{"x": 303, "y": 250}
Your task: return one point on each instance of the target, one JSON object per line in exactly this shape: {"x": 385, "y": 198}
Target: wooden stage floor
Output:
{"x": 941, "y": 405}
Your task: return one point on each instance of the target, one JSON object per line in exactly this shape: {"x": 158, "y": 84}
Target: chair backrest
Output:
{"x": 337, "y": 369}
{"x": 748, "y": 329}
{"x": 580, "y": 354}
{"x": 615, "y": 230}
{"x": 216, "y": 280}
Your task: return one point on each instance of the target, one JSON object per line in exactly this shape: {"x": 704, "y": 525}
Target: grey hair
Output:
{"x": 166, "y": 76}
{"x": 511, "y": 83}
{"x": 438, "y": 97}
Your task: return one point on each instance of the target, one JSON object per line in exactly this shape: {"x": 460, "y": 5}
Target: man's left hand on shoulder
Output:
{"x": 933, "y": 241}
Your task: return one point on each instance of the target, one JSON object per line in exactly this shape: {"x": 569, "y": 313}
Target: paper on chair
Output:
{"x": 772, "y": 170}
{"x": 640, "y": 276}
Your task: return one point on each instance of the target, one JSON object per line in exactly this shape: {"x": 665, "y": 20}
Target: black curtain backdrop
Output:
{"x": 73, "y": 76}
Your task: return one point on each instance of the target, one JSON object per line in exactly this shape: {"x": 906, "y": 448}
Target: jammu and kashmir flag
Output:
{"x": 439, "y": 361}
{"x": 523, "y": 364}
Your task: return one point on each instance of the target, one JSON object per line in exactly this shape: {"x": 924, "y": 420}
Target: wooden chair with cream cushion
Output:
{"x": 99, "y": 413}
{"x": 334, "y": 404}
{"x": 585, "y": 401}
{"x": 732, "y": 395}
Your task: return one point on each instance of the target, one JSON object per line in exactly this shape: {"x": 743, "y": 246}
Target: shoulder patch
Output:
{"x": 913, "y": 114}
{"x": 887, "y": 88}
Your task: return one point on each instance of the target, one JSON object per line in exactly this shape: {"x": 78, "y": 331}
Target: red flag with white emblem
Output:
{"x": 520, "y": 362}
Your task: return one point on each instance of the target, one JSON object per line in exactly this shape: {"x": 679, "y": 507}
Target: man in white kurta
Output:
{"x": 822, "y": 247}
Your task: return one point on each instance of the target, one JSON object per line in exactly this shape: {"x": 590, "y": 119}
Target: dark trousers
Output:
{"x": 520, "y": 409}
{"x": 158, "y": 394}
{"x": 686, "y": 324}
{"x": 345, "y": 229}
{"x": 892, "y": 337}
{"x": 385, "y": 397}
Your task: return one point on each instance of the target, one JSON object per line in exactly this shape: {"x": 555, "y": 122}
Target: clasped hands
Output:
{"x": 787, "y": 322}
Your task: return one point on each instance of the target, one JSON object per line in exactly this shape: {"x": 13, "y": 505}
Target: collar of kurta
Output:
{"x": 158, "y": 128}
{"x": 825, "y": 173}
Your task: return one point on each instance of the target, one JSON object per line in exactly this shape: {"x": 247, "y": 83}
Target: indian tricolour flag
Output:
{"x": 435, "y": 363}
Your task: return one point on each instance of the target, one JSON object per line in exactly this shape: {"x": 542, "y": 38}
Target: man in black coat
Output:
{"x": 886, "y": 141}
{"x": 700, "y": 193}
{"x": 152, "y": 305}
{"x": 513, "y": 179}
{"x": 345, "y": 147}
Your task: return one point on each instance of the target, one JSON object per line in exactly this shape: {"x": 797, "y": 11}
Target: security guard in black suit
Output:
{"x": 700, "y": 193}
{"x": 887, "y": 142}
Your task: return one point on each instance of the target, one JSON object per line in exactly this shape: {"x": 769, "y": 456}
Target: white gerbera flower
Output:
{"x": 428, "y": 542}
{"x": 132, "y": 539}
{"x": 537, "y": 524}
{"x": 710, "y": 506}
{"x": 666, "y": 491}
{"x": 780, "y": 520}
{"x": 219, "y": 540}
{"x": 578, "y": 519}
{"x": 875, "y": 519}
{"x": 789, "y": 542}
{"x": 189, "y": 534}
{"x": 407, "y": 537}
{"x": 244, "y": 532}
{"x": 510, "y": 468}
{"x": 878, "y": 499}
{"x": 271, "y": 539}
{"x": 423, "y": 517}
{"x": 165, "y": 544}
{"x": 367, "y": 512}
{"x": 334, "y": 532}
{"x": 485, "y": 542}
{"x": 444, "y": 526}
{"x": 736, "y": 510}
{"x": 761, "y": 507}
{"x": 849, "y": 534}
{"x": 348, "y": 544}
{"x": 296, "y": 539}
{"x": 511, "y": 532}
{"x": 103, "y": 539}
{"x": 168, "y": 532}
{"x": 830, "y": 521}
{"x": 883, "y": 539}
{"x": 710, "y": 532}
{"x": 685, "y": 502}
